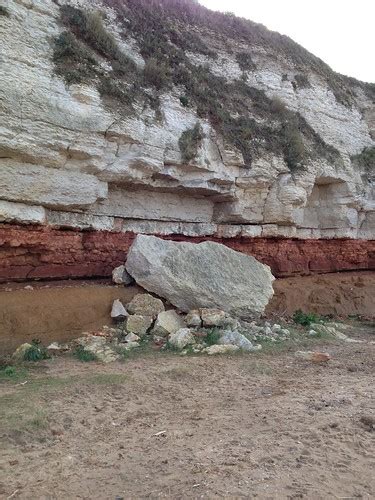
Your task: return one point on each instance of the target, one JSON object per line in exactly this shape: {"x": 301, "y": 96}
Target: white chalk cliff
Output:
{"x": 68, "y": 158}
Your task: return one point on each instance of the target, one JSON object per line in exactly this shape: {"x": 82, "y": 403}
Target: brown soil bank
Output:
{"x": 39, "y": 252}
{"x": 62, "y": 310}
{"x": 266, "y": 426}
{"x": 340, "y": 294}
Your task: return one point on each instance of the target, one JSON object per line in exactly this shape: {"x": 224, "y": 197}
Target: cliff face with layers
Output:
{"x": 119, "y": 117}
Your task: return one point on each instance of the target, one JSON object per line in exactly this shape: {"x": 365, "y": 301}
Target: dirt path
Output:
{"x": 261, "y": 425}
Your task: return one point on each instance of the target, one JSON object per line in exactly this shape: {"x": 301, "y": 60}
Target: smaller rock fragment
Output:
{"x": 212, "y": 317}
{"x": 120, "y": 276}
{"x": 193, "y": 318}
{"x": 235, "y": 338}
{"x": 138, "y": 324}
{"x": 220, "y": 349}
{"x": 131, "y": 345}
{"x": 118, "y": 310}
{"x": 99, "y": 347}
{"x": 145, "y": 304}
{"x": 131, "y": 337}
{"x": 181, "y": 338}
{"x": 19, "y": 353}
{"x": 314, "y": 356}
{"x": 167, "y": 322}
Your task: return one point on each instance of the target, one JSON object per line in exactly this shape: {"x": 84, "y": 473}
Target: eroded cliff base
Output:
{"x": 61, "y": 310}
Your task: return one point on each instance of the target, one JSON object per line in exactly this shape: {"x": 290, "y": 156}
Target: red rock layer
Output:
{"x": 40, "y": 252}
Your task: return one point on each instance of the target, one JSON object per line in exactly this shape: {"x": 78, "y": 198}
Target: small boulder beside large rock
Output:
{"x": 167, "y": 322}
{"x": 118, "y": 311}
{"x": 145, "y": 304}
{"x": 235, "y": 338}
{"x": 181, "y": 338}
{"x": 120, "y": 276}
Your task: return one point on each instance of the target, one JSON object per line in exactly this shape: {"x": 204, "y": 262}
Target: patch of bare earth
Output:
{"x": 265, "y": 425}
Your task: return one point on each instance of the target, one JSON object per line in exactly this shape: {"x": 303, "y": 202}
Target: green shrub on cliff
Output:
{"x": 189, "y": 142}
{"x": 4, "y": 11}
{"x": 365, "y": 159}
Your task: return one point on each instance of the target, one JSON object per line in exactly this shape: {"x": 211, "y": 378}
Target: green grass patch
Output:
{"x": 13, "y": 373}
{"x": 26, "y": 408}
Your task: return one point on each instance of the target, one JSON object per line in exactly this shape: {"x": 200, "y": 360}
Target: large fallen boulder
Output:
{"x": 204, "y": 275}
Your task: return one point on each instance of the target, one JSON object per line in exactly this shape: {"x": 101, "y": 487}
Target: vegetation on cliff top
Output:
{"x": 245, "y": 116}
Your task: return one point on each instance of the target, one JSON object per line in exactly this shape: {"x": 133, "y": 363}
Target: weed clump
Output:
{"x": 36, "y": 352}
{"x": 305, "y": 319}
{"x": 189, "y": 142}
{"x": 85, "y": 356}
{"x": 213, "y": 336}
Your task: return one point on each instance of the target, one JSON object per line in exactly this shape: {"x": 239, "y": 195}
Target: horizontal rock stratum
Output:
{"x": 40, "y": 252}
{"x": 205, "y": 275}
{"x": 214, "y": 127}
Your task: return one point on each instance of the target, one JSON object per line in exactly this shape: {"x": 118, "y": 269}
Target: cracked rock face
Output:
{"x": 67, "y": 159}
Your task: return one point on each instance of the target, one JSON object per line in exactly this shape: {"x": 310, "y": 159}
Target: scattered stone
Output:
{"x": 145, "y": 304}
{"x": 99, "y": 347}
{"x": 55, "y": 347}
{"x": 120, "y": 276}
{"x": 220, "y": 349}
{"x": 315, "y": 357}
{"x": 212, "y": 317}
{"x": 276, "y": 327}
{"x": 167, "y": 322}
{"x": 235, "y": 338}
{"x": 131, "y": 345}
{"x": 19, "y": 353}
{"x": 131, "y": 337}
{"x": 193, "y": 318}
{"x": 138, "y": 324}
{"x": 333, "y": 329}
{"x": 313, "y": 333}
{"x": 118, "y": 311}
{"x": 198, "y": 348}
{"x": 181, "y": 338}
{"x": 268, "y": 331}
{"x": 208, "y": 275}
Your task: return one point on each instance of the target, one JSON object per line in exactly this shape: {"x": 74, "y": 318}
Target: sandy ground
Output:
{"x": 264, "y": 425}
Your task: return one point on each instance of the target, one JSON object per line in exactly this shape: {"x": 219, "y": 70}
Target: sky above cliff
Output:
{"x": 341, "y": 32}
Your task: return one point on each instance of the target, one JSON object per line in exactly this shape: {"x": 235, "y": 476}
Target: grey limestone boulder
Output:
{"x": 204, "y": 275}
